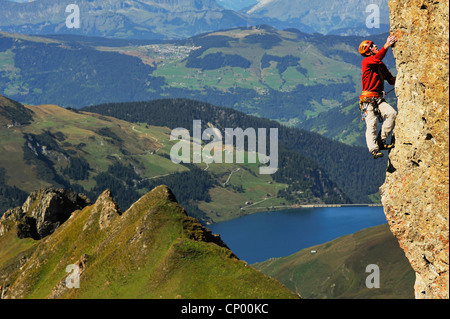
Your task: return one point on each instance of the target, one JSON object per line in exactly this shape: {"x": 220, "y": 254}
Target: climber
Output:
{"x": 372, "y": 102}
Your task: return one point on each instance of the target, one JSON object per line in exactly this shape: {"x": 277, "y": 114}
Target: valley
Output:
{"x": 90, "y": 152}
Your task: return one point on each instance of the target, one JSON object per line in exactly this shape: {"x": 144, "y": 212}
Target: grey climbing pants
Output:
{"x": 388, "y": 114}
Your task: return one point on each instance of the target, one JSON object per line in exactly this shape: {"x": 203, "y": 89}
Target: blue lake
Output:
{"x": 260, "y": 236}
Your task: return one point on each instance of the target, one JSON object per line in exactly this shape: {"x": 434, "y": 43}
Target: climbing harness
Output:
{"x": 374, "y": 98}
{"x": 365, "y": 99}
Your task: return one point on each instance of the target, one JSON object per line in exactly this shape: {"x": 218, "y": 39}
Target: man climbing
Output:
{"x": 372, "y": 103}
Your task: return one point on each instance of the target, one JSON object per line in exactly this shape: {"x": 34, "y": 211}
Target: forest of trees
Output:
{"x": 266, "y": 41}
{"x": 282, "y": 62}
{"x": 10, "y": 196}
{"x": 77, "y": 75}
{"x": 218, "y": 60}
{"x": 78, "y": 169}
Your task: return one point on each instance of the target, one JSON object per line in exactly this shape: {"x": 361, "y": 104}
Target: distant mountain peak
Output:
{"x": 325, "y": 16}
{"x": 260, "y": 5}
{"x": 147, "y": 19}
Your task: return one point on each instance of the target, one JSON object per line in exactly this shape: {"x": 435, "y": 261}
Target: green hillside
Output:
{"x": 337, "y": 269}
{"x": 344, "y": 123}
{"x": 51, "y": 146}
{"x": 153, "y": 250}
{"x": 264, "y": 60}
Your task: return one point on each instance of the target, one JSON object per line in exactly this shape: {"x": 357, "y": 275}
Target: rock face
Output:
{"x": 415, "y": 194}
{"x": 43, "y": 212}
{"x": 108, "y": 209}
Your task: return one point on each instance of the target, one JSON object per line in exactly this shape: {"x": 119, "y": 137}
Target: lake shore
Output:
{"x": 260, "y": 236}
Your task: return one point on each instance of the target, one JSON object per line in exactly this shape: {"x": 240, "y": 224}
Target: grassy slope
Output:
{"x": 311, "y": 59}
{"x": 337, "y": 269}
{"x": 146, "y": 147}
{"x": 319, "y": 68}
{"x": 12, "y": 249}
{"x": 153, "y": 250}
{"x": 77, "y": 129}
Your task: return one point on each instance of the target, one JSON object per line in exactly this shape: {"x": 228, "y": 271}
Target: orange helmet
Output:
{"x": 364, "y": 47}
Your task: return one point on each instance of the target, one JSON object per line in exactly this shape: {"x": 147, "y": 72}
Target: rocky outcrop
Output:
{"x": 108, "y": 209}
{"x": 415, "y": 194}
{"x": 43, "y": 212}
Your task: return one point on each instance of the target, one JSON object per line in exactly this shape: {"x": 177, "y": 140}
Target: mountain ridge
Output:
{"x": 134, "y": 19}
{"x": 153, "y": 250}
{"x": 326, "y": 17}
{"x": 182, "y": 18}
{"x": 42, "y": 212}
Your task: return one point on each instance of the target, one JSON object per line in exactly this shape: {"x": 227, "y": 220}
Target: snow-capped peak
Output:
{"x": 259, "y": 5}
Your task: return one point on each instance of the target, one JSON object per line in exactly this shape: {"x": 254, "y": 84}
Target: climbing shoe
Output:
{"x": 377, "y": 154}
{"x": 384, "y": 146}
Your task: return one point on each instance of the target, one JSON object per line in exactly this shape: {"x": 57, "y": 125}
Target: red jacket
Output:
{"x": 375, "y": 72}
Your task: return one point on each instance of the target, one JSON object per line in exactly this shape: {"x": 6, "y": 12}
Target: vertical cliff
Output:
{"x": 415, "y": 194}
